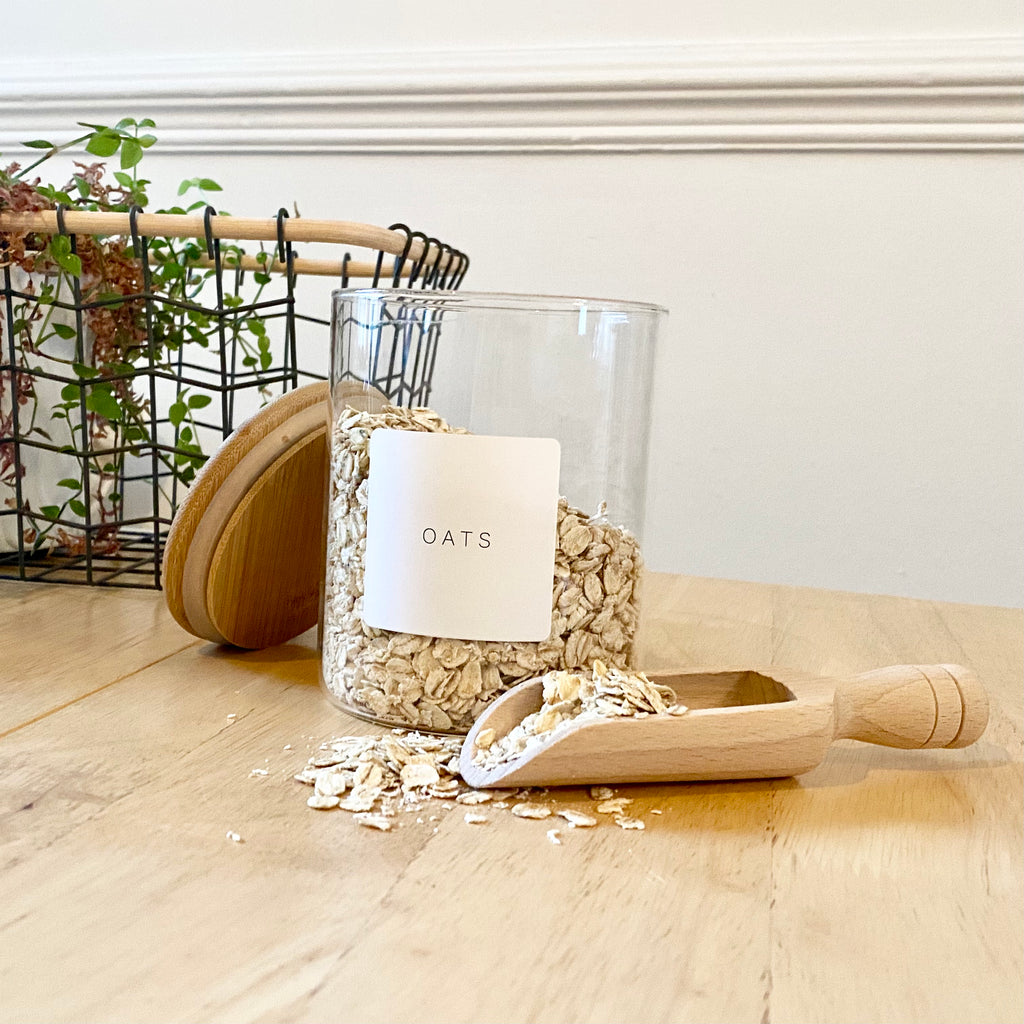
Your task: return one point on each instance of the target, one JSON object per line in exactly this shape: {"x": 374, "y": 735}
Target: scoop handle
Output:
{"x": 912, "y": 706}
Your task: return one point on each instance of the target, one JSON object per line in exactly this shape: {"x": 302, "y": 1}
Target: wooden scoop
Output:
{"x": 741, "y": 724}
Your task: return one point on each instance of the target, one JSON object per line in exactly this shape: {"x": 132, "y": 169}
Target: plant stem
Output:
{"x": 51, "y": 153}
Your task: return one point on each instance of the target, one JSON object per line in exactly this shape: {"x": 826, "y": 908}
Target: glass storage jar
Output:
{"x": 477, "y": 551}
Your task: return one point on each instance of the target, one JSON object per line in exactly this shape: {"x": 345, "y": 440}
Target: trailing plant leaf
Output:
{"x": 103, "y": 143}
{"x": 127, "y": 321}
{"x": 60, "y": 250}
{"x": 177, "y": 413}
{"x": 131, "y": 153}
{"x": 102, "y": 402}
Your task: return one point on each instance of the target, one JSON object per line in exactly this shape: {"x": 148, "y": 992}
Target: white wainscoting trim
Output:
{"x": 906, "y": 94}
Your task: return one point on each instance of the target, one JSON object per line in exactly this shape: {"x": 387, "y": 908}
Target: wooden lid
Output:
{"x": 254, "y": 496}
{"x": 244, "y": 557}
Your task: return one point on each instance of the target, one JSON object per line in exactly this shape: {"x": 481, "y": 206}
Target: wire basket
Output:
{"x": 114, "y": 390}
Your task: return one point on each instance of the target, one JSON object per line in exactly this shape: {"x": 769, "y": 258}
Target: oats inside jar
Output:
{"x": 442, "y": 684}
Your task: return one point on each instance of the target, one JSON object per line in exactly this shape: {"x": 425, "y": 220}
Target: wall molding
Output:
{"x": 958, "y": 94}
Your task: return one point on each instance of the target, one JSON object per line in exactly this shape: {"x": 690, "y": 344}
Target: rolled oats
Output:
{"x": 330, "y": 783}
{"x": 615, "y": 806}
{"x": 377, "y": 776}
{"x": 443, "y": 684}
{"x": 474, "y": 796}
{"x": 377, "y": 821}
{"x": 320, "y": 802}
{"x": 569, "y": 697}
{"x": 359, "y": 799}
{"x": 484, "y": 738}
{"x": 626, "y": 822}
{"x": 417, "y": 775}
{"x": 577, "y": 819}
{"x": 527, "y": 810}
{"x": 376, "y": 779}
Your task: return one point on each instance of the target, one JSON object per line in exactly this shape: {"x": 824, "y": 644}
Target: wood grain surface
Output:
{"x": 885, "y": 885}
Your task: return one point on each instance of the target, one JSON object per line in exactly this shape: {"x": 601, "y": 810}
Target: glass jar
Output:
{"x": 488, "y": 383}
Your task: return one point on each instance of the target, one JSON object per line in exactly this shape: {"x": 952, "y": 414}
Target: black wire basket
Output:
{"x": 116, "y": 387}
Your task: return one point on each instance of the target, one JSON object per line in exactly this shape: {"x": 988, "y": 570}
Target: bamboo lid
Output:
{"x": 244, "y": 557}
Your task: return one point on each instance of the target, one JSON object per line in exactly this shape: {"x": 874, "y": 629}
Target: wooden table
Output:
{"x": 885, "y": 886}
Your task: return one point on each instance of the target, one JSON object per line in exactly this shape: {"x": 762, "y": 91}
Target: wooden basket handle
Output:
{"x": 223, "y": 226}
{"x": 183, "y": 225}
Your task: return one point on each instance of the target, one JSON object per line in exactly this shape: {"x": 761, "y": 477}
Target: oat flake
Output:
{"x": 525, "y": 810}
{"x": 319, "y": 802}
{"x": 377, "y": 821}
{"x": 624, "y": 822}
{"x": 577, "y": 819}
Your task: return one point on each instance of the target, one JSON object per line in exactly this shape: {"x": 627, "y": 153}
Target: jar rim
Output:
{"x": 506, "y": 300}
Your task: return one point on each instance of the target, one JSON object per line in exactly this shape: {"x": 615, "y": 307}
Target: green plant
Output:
{"x": 90, "y": 316}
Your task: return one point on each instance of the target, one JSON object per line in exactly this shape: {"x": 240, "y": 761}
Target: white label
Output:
{"x": 460, "y": 535}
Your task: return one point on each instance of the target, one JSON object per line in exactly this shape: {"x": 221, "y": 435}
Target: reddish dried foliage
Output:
{"x": 108, "y": 269}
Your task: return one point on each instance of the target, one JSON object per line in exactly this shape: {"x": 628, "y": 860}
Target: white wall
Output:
{"x": 831, "y": 210}
{"x": 264, "y": 26}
